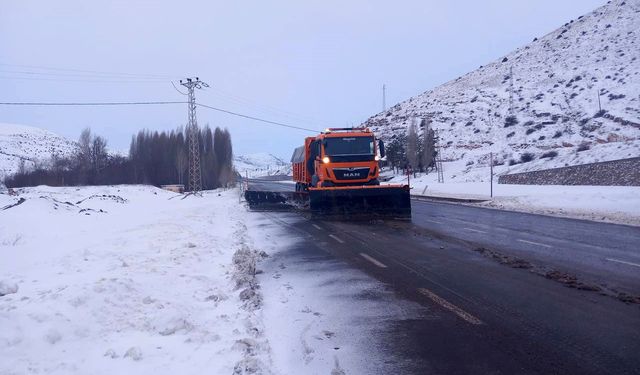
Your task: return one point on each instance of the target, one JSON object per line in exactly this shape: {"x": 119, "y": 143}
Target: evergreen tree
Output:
{"x": 412, "y": 145}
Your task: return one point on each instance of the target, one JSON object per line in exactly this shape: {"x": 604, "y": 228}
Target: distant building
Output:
{"x": 178, "y": 188}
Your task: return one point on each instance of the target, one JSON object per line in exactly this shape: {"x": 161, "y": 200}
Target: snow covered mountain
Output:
{"x": 31, "y": 144}
{"x": 541, "y": 99}
{"x": 261, "y": 164}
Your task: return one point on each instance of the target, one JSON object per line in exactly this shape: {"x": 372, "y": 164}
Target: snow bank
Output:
{"x": 7, "y": 287}
{"x": 617, "y": 204}
{"x": 128, "y": 279}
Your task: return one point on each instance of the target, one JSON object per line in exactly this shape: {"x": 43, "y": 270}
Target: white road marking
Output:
{"x": 535, "y": 243}
{"x": 623, "y": 262}
{"x": 373, "y": 260}
{"x": 475, "y": 230}
{"x": 317, "y": 226}
{"x": 434, "y": 221}
{"x": 336, "y": 238}
{"x": 450, "y": 306}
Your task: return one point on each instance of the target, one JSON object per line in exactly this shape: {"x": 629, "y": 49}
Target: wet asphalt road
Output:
{"x": 490, "y": 317}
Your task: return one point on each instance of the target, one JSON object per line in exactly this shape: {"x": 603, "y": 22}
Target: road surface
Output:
{"x": 488, "y": 276}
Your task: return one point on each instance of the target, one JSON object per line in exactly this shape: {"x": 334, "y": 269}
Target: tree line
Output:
{"x": 411, "y": 150}
{"x": 155, "y": 158}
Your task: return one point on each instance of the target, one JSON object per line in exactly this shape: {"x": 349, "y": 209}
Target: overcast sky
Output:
{"x": 307, "y": 63}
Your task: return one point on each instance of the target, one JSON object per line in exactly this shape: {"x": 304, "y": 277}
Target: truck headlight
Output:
{"x": 326, "y": 160}
{"x": 377, "y": 157}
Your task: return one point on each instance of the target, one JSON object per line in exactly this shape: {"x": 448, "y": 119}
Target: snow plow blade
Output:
{"x": 274, "y": 200}
{"x": 361, "y": 202}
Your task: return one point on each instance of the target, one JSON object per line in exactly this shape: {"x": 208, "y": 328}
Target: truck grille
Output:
{"x": 351, "y": 173}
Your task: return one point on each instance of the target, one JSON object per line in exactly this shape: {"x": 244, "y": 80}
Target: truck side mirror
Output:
{"x": 381, "y": 148}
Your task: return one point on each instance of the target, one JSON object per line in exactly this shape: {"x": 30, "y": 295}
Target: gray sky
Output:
{"x": 307, "y": 63}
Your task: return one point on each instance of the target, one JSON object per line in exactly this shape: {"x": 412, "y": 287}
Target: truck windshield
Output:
{"x": 346, "y": 146}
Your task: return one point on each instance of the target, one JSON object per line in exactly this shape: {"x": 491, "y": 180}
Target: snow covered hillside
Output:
{"x": 261, "y": 164}
{"x": 541, "y": 99}
{"x": 31, "y": 144}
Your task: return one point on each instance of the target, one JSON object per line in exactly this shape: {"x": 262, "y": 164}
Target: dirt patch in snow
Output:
{"x": 253, "y": 348}
{"x": 245, "y": 262}
{"x": 565, "y": 278}
{"x": 104, "y": 197}
{"x": 507, "y": 260}
{"x": 19, "y": 202}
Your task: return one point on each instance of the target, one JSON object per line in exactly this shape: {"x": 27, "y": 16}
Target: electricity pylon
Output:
{"x": 195, "y": 175}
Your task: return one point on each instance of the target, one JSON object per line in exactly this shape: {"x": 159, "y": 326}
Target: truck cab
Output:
{"x": 340, "y": 157}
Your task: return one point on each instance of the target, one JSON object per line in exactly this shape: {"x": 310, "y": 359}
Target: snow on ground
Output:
{"x": 617, "y": 204}
{"x": 138, "y": 280}
{"x": 127, "y": 280}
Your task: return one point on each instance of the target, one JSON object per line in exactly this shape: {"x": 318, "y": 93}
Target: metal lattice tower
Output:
{"x": 195, "y": 176}
{"x": 384, "y": 98}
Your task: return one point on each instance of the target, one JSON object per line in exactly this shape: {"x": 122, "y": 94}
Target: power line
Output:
{"x": 76, "y": 75}
{"x": 156, "y": 103}
{"x": 255, "y": 118}
{"x": 92, "y": 71}
{"x": 237, "y": 99}
{"x": 88, "y": 104}
{"x": 105, "y": 80}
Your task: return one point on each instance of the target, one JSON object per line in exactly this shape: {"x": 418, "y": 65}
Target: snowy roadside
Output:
{"x": 614, "y": 204}
{"x": 128, "y": 279}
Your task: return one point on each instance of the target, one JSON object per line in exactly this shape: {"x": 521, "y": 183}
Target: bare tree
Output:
{"x": 99, "y": 154}
{"x": 22, "y": 167}
{"x": 181, "y": 164}
{"x": 84, "y": 149}
{"x": 224, "y": 156}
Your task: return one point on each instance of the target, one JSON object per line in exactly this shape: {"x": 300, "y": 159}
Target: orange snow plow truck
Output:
{"x": 339, "y": 170}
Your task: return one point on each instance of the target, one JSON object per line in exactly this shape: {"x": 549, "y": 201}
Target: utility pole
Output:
{"x": 439, "y": 160}
{"x": 195, "y": 175}
{"x": 384, "y": 97}
{"x": 491, "y": 164}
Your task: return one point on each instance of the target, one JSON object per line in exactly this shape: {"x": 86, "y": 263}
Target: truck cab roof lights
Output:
{"x": 361, "y": 129}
